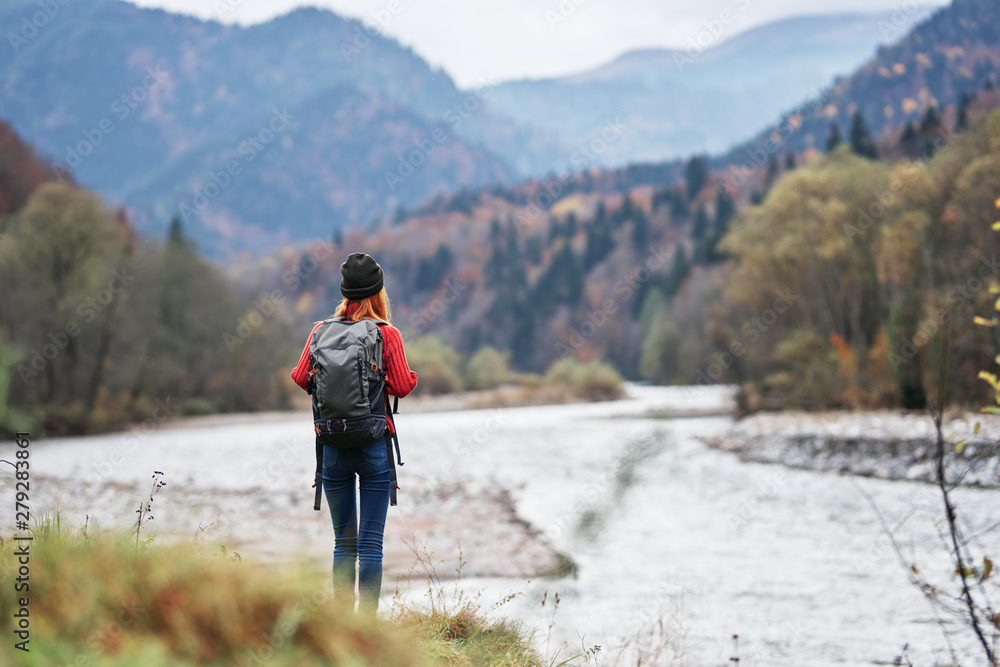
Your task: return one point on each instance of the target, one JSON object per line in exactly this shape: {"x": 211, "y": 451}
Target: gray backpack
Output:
{"x": 348, "y": 386}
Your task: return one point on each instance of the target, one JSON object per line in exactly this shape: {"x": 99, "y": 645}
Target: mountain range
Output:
{"x": 682, "y": 102}
{"x": 284, "y": 131}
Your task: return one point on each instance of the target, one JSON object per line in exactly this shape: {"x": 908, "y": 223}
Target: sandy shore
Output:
{"x": 888, "y": 445}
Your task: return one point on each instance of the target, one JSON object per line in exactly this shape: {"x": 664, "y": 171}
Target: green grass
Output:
{"x": 465, "y": 637}
{"x": 97, "y": 599}
{"x": 453, "y": 627}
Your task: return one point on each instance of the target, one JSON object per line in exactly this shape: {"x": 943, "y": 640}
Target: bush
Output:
{"x": 593, "y": 380}
{"x": 437, "y": 365}
{"x": 488, "y": 368}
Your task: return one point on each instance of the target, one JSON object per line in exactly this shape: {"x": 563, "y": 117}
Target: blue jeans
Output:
{"x": 358, "y": 537}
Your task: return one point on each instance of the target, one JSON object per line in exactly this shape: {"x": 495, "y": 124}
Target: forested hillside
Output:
{"x": 816, "y": 281}
{"x": 940, "y": 63}
{"x": 822, "y": 277}
{"x": 99, "y": 328}
{"x": 855, "y": 282}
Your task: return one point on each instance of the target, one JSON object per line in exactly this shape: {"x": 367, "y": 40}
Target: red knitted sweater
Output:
{"x": 401, "y": 380}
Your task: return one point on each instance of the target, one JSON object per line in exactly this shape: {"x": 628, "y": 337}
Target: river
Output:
{"x": 676, "y": 545}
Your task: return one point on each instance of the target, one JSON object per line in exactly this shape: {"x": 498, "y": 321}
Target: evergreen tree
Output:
{"x": 678, "y": 273}
{"x": 600, "y": 242}
{"x": 772, "y": 171}
{"x": 175, "y": 234}
{"x": 908, "y": 140}
{"x": 627, "y": 211}
{"x": 962, "y": 112}
{"x": 695, "y": 175}
{"x": 533, "y": 249}
{"x": 571, "y": 225}
{"x": 433, "y": 268}
{"x": 495, "y": 231}
{"x": 699, "y": 228}
{"x": 724, "y": 211}
{"x": 562, "y": 282}
{"x": 861, "y": 139}
{"x": 904, "y": 320}
{"x": 931, "y": 121}
{"x": 833, "y": 138}
{"x": 640, "y": 229}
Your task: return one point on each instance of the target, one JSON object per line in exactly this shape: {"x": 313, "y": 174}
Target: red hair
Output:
{"x": 374, "y": 307}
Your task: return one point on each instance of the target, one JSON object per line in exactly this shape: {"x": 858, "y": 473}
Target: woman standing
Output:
{"x": 358, "y": 530}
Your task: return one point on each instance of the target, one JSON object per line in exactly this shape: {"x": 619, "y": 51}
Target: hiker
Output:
{"x": 358, "y": 531}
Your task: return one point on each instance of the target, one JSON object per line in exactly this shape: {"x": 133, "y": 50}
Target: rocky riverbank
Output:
{"x": 280, "y": 526}
{"x": 886, "y": 445}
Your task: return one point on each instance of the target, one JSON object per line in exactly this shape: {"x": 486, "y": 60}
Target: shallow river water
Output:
{"x": 676, "y": 546}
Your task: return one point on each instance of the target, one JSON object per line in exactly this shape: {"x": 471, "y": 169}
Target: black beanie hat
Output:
{"x": 362, "y": 276}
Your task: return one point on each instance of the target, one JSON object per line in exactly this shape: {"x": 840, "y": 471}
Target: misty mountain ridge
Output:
{"x": 356, "y": 147}
{"x": 696, "y": 99}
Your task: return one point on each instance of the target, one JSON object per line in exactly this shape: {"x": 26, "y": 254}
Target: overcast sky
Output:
{"x": 507, "y": 39}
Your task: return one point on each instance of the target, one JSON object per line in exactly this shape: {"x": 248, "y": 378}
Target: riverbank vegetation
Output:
{"x": 819, "y": 286}
{"x": 488, "y": 372}
{"x": 849, "y": 272}
{"x": 100, "y": 328}
{"x": 95, "y": 598}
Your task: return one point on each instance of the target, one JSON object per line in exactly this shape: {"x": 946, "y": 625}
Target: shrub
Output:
{"x": 487, "y": 369}
{"x": 592, "y": 380}
{"x": 437, "y": 365}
